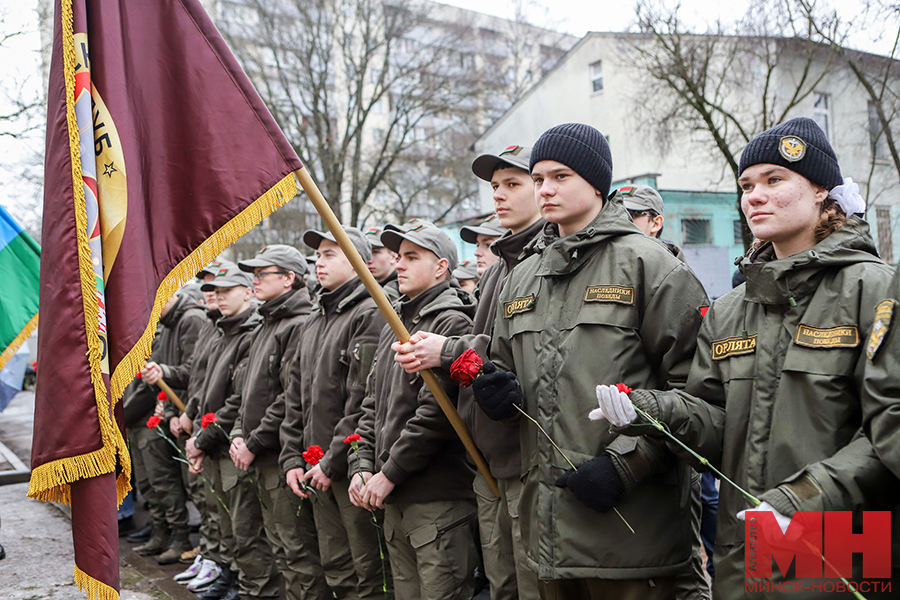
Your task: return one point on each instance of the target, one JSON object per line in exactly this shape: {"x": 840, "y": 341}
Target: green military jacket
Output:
{"x": 223, "y": 380}
{"x": 269, "y": 359}
{"x": 881, "y": 385}
{"x": 498, "y": 442}
{"x": 605, "y": 305}
{"x": 772, "y": 399}
{"x": 328, "y": 377}
{"x": 405, "y": 434}
{"x": 176, "y": 337}
{"x": 192, "y": 374}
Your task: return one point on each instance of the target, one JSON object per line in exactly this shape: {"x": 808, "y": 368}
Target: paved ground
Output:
{"x": 37, "y": 536}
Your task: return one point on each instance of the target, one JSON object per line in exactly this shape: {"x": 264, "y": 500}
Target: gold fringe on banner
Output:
{"x": 51, "y": 481}
{"x": 95, "y": 590}
{"x": 17, "y": 342}
{"x": 273, "y": 199}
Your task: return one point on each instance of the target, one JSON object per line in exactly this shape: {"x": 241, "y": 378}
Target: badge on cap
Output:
{"x": 792, "y": 148}
{"x": 628, "y": 190}
{"x": 263, "y": 249}
{"x": 489, "y": 219}
{"x": 372, "y": 230}
{"x": 884, "y": 316}
{"x": 514, "y": 150}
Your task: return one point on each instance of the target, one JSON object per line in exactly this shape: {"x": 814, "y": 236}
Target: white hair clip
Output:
{"x": 848, "y": 198}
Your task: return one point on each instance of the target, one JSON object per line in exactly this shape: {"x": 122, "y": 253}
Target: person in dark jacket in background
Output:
{"x": 773, "y": 395}
{"x": 180, "y": 323}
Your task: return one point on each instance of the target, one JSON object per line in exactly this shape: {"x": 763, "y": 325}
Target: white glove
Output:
{"x": 615, "y": 406}
{"x": 783, "y": 521}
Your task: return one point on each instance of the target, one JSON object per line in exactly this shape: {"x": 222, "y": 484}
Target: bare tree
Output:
{"x": 354, "y": 85}
{"x": 727, "y": 83}
{"x": 878, "y": 76}
{"x": 21, "y": 109}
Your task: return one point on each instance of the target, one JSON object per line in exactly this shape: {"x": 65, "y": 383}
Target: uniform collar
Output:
{"x": 773, "y": 280}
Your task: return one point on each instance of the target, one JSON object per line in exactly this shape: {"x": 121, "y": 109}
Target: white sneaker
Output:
{"x": 191, "y": 572}
{"x": 209, "y": 572}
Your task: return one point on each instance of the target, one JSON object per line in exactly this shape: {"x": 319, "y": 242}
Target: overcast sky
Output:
{"x": 20, "y": 63}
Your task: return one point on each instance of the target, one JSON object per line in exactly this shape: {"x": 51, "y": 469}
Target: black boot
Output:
{"x": 142, "y": 536}
{"x": 220, "y": 586}
{"x": 233, "y": 592}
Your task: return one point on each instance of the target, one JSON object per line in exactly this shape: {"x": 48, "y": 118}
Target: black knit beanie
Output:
{"x": 581, "y": 148}
{"x": 799, "y": 145}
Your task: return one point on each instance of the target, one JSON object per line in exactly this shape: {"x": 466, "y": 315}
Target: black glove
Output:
{"x": 497, "y": 392}
{"x": 596, "y": 483}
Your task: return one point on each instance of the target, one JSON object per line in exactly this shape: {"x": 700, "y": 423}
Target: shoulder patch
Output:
{"x": 845, "y": 336}
{"x": 518, "y": 305}
{"x": 703, "y": 310}
{"x": 609, "y": 293}
{"x": 884, "y": 319}
{"x": 734, "y": 346}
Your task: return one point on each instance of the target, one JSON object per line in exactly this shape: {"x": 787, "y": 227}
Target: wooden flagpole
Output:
{"x": 384, "y": 305}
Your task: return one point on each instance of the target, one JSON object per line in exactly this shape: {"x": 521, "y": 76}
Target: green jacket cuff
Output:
{"x": 293, "y": 463}
{"x": 782, "y": 500}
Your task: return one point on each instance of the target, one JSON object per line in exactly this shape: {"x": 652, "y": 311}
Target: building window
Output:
{"x": 738, "y": 232}
{"x": 597, "y": 77}
{"x": 696, "y": 232}
{"x": 877, "y": 139}
{"x": 822, "y": 112}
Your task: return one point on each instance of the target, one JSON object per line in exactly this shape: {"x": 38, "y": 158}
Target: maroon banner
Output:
{"x": 159, "y": 155}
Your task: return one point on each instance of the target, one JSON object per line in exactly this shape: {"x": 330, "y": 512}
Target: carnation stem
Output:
{"x": 665, "y": 430}
{"x": 660, "y": 426}
{"x": 563, "y": 454}
{"x": 189, "y": 464}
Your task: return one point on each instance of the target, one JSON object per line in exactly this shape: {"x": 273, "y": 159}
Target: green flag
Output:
{"x": 20, "y": 259}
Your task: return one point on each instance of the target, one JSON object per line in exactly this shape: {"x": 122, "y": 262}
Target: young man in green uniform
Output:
{"x": 180, "y": 322}
{"x": 323, "y": 407}
{"x": 208, "y": 447}
{"x": 596, "y": 299}
{"x": 498, "y": 518}
{"x": 410, "y": 461}
{"x": 278, "y": 281}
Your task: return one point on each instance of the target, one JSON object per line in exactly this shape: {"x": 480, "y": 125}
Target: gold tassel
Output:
{"x": 273, "y": 199}
{"x": 50, "y": 481}
{"x": 18, "y": 341}
{"x": 94, "y": 589}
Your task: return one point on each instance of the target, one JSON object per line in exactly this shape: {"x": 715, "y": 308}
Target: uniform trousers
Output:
{"x": 349, "y": 544}
{"x": 431, "y": 546}
{"x": 287, "y": 521}
{"x": 501, "y": 540}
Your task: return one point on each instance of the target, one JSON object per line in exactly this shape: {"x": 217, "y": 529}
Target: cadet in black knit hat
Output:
{"x": 581, "y": 148}
{"x": 595, "y": 301}
{"x": 799, "y": 145}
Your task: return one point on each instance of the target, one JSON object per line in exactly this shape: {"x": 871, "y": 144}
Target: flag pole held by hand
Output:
{"x": 384, "y": 305}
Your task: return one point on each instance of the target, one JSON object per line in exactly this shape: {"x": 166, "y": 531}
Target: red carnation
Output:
{"x": 153, "y": 422}
{"x": 466, "y": 368}
{"x": 353, "y": 437}
{"x": 313, "y": 455}
{"x": 623, "y": 388}
{"x": 138, "y": 375}
{"x": 162, "y": 397}
{"x": 208, "y": 419}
